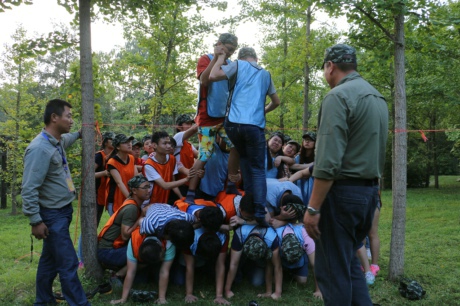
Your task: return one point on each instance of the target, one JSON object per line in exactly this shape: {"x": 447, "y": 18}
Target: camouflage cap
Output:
{"x": 297, "y": 145}
{"x": 136, "y": 181}
{"x": 256, "y": 249}
{"x": 247, "y": 52}
{"x": 227, "y": 38}
{"x": 298, "y": 208}
{"x": 311, "y": 135}
{"x": 291, "y": 249}
{"x": 137, "y": 143}
{"x": 184, "y": 118}
{"x": 121, "y": 138}
{"x": 340, "y": 53}
{"x": 108, "y": 135}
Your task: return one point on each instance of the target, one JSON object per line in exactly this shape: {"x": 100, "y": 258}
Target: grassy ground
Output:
{"x": 432, "y": 258}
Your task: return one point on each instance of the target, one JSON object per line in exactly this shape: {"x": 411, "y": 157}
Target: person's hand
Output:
{"x": 311, "y": 225}
{"x": 276, "y": 223}
{"x": 225, "y": 228}
{"x": 161, "y": 301}
{"x": 287, "y": 214}
{"x": 229, "y": 294}
{"x": 120, "y": 301}
{"x": 283, "y": 179}
{"x": 218, "y": 50}
{"x": 221, "y": 301}
{"x": 318, "y": 295}
{"x": 191, "y": 174}
{"x": 190, "y": 298}
{"x": 235, "y": 221}
{"x": 40, "y": 231}
{"x": 277, "y": 161}
{"x": 200, "y": 173}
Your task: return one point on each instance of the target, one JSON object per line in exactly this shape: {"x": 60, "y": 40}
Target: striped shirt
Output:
{"x": 158, "y": 215}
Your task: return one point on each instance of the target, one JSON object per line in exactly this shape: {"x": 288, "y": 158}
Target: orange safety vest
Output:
{"x": 102, "y": 190}
{"x": 126, "y": 173}
{"x": 182, "y": 205}
{"x": 160, "y": 195}
{"x": 118, "y": 242}
{"x": 186, "y": 158}
{"x": 136, "y": 240}
{"x": 227, "y": 202}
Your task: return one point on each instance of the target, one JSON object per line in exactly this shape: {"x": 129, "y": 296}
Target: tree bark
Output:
{"x": 306, "y": 72}
{"x": 88, "y": 189}
{"x": 399, "y": 180}
{"x": 14, "y": 186}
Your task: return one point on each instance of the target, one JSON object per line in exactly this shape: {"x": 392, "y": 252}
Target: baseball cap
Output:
{"x": 137, "y": 143}
{"x": 339, "y": 53}
{"x": 183, "y": 119}
{"x": 121, "y": 138}
{"x": 136, "y": 181}
{"x": 311, "y": 135}
{"x": 108, "y": 135}
{"x": 256, "y": 249}
{"x": 291, "y": 248}
{"x": 294, "y": 143}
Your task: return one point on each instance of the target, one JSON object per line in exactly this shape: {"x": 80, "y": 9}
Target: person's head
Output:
{"x": 161, "y": 142}
{"x": 139, "y": 188}
{"x": 136, "y": 148}
{"x": 58, "y": 113}
{"x": 339, "y": 60}
{"x": 173, "y": 145}
{"x": 247, "y": 53}
{"x": 209, "y": 246}
{"x": 122, "y": 143}
{"x": 151, "y": 251}
{"x": 211, "y": 218}
{"x": 275, "y": 142}
{"x": 229, "y": 42}
{"x": 247, "y": 207}
{"x": 291, "y": 148}
{"x": 293, "y": 202}
{"x": 256, "y": 249}
{"x": 107, "y": 138}
{"x": 307, "y": 150}
{"x": 147, "y": 144}
{"x": 291, "y": 249}
{"x": 180, "y": 233}
{"x": 184, "y": 122}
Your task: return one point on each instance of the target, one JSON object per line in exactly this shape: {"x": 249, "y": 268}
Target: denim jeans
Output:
{"x": 249, "y": 141}
{"x": 346, "y": 218}
{"x": 58, "y": 257}
{"x": 113, "y": 257}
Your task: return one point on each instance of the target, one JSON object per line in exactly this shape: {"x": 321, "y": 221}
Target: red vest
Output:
{"x": 160, "y": 195}
{"x": 227, "y": 202}
{"x": 126, "y": 173}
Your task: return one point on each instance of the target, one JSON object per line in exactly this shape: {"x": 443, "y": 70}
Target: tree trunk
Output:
{"x": 88, "y": 189}
{"x": 434, "y": 152}
{"x": 14, "y": 176}
{"x": 306, "y": 72}
{"x": 396, "y": 268}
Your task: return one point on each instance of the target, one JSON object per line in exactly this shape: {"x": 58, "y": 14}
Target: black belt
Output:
{"x": 357, "y": 182}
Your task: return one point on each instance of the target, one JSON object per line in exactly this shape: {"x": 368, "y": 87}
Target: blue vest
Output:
{"x": 247, "y": 98}
{"x": 298, "y": 233}
{"x": 267, "y": 233}
{"x": 216, "y": 100}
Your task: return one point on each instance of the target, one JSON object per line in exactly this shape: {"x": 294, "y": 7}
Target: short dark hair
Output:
{"x": 150, "y": 252}
{"x": 211, "y": 218}
{"x": 346, "y": 67}
{"x": 158, "y": 135}
{"x": 181, "y": 233}
{"x": 173, "y": 142}
{"x": 209, "y": 246}
{"x": 55, "y": 106}
{"x": 247, "y": 203}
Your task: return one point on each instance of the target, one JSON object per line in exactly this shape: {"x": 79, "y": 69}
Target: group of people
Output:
{"x": 278, "y": 196}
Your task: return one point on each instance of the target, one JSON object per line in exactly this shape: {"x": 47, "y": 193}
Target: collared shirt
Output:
{"x": 352, "y": 131}
{"x": 158, "y": 215}
{"x": 44, "y": 179}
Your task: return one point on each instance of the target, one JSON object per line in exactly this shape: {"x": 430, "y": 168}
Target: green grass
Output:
{"x": 432, "y": 257}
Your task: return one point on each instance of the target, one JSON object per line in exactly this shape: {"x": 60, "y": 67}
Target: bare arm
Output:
{"x": 163, "y": 281}
{"x": 117, "y": 178}
{"x": 234, "y": 261}
{"x": 204, "y": 76}
{"x": 275, "y": 102}
{"x": 189, "y": 278}
{"x": 127, "y": 283}
{"x": 220, "y": 279}
{"x": 217, "y": 74}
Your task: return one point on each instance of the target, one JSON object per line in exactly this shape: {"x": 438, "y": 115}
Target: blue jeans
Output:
{"x": 249, "y": 141}
{"x": 112, "y": 258}
{"x": 58, "y": 257}
{"x": 346, "y": 218}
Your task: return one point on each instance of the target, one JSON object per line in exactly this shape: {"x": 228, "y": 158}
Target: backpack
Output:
{"x": 411, "y": 289}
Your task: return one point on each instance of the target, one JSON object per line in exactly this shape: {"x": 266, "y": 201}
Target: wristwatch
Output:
{"x": 312, "y": 211}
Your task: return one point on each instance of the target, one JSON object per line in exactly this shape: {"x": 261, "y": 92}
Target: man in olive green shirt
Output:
{"x": 350, "y": 155}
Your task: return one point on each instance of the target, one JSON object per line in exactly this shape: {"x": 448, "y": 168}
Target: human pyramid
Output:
{"x": 239, "y": 183}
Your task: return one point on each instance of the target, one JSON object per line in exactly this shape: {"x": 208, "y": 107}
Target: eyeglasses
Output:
{"x": 145, "y": 187}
